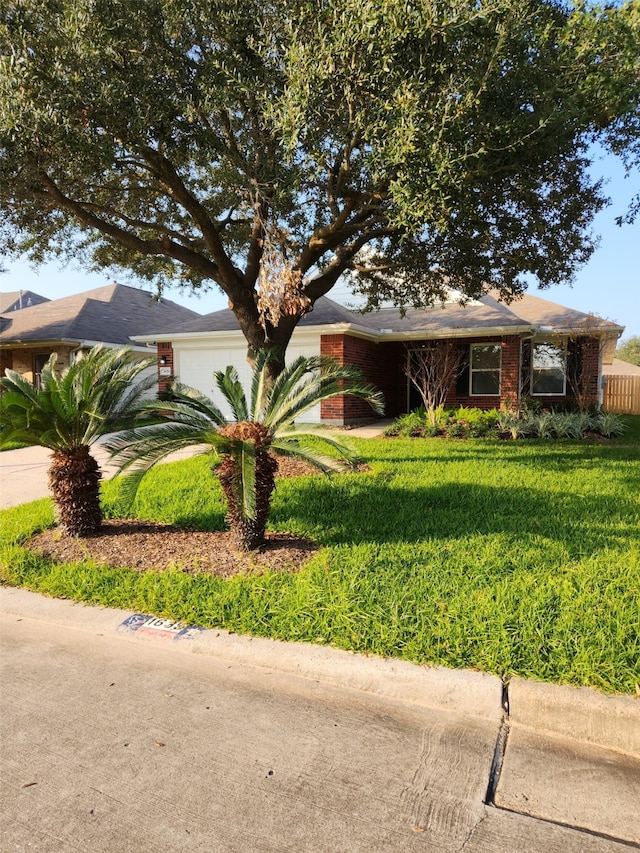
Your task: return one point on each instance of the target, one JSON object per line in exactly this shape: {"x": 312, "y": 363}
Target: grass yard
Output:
{"x": 509, "y": 557}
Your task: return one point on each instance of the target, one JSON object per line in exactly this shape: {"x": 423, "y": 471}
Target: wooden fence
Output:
{"x": 622, "y": 395}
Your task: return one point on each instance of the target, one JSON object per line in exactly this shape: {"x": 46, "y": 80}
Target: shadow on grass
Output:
{"x": 370, "y": 511}
{"x": 398, "y": 505}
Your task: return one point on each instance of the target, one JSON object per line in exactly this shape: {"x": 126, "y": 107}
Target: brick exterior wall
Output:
{"x": 379, "y": 365}
{"x": 590, "y": 355}
{"x": 382, "y": 365}
{"x": 21, "y": 360}
{"x": 6, "y": 360}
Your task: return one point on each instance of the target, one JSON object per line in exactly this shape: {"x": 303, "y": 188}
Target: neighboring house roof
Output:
{"x": 620, "y": 368}
{"x": 483, "y": 316}
{"x": 16, "y": 300}
{"x": 110, "y": 314}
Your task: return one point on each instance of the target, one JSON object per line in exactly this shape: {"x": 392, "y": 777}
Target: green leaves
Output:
{"x": 414, "y": 146}
{"x": 77, "y": 405}
{"x": 263, "y": 425}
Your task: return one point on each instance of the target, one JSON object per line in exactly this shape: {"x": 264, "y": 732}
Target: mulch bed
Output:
{"x": 149, "y": 546}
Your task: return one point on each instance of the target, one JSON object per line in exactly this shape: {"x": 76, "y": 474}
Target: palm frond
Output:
{"x": 325, "y": 436}
{"x": 259, "y": 385}
{"x": 80, "y": 403}
{"x": 324, "y": 379}
{"x": 286, "y": 382}
{"x": 143, "y": 446}
{"x": 135, "y": 451}
{"x": 324, "y": 463}
{"x": 191, "y": 397}
{"x": 14, "y": 381}
{"x": 246, "y": 456}
{"x": 229, "y": 385}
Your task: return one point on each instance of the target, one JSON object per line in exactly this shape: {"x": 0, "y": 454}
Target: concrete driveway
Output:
{"x": 23, "y": 472}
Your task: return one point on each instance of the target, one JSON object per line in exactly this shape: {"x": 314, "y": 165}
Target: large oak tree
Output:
{"x": 269, "y": 147}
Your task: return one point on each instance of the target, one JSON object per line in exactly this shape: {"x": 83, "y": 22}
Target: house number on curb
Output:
{"x": 151, "y": 626}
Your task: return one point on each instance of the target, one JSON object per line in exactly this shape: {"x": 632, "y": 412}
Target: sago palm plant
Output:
{"x": 68, "y": 413}
{"x": 262, "y": 426}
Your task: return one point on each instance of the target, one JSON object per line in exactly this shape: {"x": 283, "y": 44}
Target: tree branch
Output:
{"x": 164, "y": 246}
{"x": 226, "y": 270}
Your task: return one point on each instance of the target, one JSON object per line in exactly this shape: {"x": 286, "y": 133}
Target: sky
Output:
{"x": 608, "y": 285}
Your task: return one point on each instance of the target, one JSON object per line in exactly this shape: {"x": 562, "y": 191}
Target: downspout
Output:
{"x": 601, "y": 379}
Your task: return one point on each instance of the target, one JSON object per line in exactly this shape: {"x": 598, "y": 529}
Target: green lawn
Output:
{"x": 509, "y": 557}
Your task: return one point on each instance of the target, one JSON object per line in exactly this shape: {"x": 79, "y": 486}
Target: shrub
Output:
{"x": 534, "y": 422}
{"x": 609, "y": 424}
{"x": 411, "y": 424}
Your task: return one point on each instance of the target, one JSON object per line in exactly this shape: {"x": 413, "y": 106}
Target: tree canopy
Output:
{"x": 267, "y": 148}
{"x": 629, "y": 350}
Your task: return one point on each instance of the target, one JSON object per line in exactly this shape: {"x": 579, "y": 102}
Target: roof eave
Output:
{"x": 20, "y": 343}
{"x": 380, "y": 335}
{"x": 324, "y": 329}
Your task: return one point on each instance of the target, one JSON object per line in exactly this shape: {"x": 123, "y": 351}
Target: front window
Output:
{"x": 548, "y": 368}
{"x": 485, "y": 370}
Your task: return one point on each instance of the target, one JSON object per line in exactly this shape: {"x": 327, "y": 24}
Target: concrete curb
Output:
{"x": 579, "y": 713}
{"x": 463, "y": 692}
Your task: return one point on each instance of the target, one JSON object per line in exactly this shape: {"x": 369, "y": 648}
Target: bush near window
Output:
{"x": 508, "y": 424}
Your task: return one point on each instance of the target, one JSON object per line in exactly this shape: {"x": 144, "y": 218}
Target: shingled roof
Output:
{"x": 16, "y": 300}
{"x": 110, "y": 314}
{"x": 485, "y": 315}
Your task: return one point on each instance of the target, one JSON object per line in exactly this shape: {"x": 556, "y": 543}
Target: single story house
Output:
{"x": 532, "y": 347}
{"x": 108, "y": 315}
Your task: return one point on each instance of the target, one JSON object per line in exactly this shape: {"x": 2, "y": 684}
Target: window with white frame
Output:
{"x": 484, "y": 370}
{"x": 548, "y": 368}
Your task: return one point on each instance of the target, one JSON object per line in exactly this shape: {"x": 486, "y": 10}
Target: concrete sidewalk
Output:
{"x": 122, "y": 732}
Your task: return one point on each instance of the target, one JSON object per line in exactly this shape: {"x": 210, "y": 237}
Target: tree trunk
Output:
{"x": 74, "y": 479}
{"x": 248, "y": 533}
{"x": 274, "y": 339}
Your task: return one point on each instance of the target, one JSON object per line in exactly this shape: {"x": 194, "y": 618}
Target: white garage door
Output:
{"x": 195, "y": 363}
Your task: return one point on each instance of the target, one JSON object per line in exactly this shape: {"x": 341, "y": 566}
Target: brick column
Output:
{"x": 510, "y": 370}
{"x": 165, "y": 365}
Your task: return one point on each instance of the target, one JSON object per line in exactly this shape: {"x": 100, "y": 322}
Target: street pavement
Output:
{"x": 120, "y": 732}
{"x": 124, "y": 733}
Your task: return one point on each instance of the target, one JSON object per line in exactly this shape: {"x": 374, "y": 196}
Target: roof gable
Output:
{"x": 18, "y": 300}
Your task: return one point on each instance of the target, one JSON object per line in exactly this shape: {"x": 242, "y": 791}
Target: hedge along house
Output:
{"x": 532, "y": 347}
